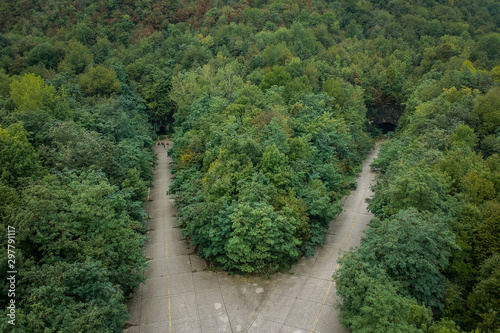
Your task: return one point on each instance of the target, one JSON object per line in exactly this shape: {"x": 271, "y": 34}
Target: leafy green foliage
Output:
{"x": 413, "y": 248}
{"x": 485, "y": 296}
{"x": 256, "y": 188}
{"x": 371, "y": 302}
{"x": 18, "y": 159}
{"x": 487, "y": 111}
{"x": 31, "y": 93}
{"x": 73, "y": 179}
{"x": 270, "y": 102}
{"x": 441, "y": 164}
{"x": 99, "y": 81}
{"x": 261, "y": 241}
{"x": 413, "y": 187}
{"x": 78, "y": 218}
{"x": 276, "y": 77}
{"x": 77, "y": 58}
{"x": 74, "y": 296}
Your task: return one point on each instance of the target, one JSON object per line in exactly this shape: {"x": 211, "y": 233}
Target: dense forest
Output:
{"x": 433, "y": 249}
{"x": 272, "y": 107}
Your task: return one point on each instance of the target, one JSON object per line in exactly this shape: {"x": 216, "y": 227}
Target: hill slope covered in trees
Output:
{"x": 271, "y": 105}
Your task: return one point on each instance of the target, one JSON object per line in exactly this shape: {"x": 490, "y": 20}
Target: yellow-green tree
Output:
{"x": 31, "y": 93}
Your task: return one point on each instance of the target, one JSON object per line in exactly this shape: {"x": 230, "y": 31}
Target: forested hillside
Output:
{"x": 434, "y": 247}
{"x": 272, "y": 106}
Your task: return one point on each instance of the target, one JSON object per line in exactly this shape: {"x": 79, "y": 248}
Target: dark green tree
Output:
{"x": 412, "y": 248}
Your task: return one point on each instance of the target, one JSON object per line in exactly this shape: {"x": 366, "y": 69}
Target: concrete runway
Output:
{"x": 180, "y": 296}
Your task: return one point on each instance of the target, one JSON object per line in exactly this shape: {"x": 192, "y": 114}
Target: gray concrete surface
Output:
{"x": 180, "y": 296}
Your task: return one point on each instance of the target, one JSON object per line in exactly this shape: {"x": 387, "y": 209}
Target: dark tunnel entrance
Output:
{"x": 161, "y": 131}
{"x": 387, "y": 127}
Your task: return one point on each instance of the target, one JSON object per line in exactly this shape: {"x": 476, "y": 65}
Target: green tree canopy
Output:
{"x": 486, "y": 295}
{"x": 18, "y": 159}
{"x": 99, "y": 81}
{"x": 80, "y": 217}
{"x": 77, "y": 58}
{"x": 371, "y": 301}
{"x": 31, "y": 93}
{"x": 261, "y": 241}
{"x": 74, "y": 296}
{"x": 413, "y": 248}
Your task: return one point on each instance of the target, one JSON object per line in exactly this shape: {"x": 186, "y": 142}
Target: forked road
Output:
{"x": 180, "y": 296}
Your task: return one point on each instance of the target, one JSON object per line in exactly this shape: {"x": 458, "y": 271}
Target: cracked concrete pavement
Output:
{"x": 181, "y": 296}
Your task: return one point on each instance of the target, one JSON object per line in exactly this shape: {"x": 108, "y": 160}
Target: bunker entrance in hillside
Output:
{"x": 161, "y": 131}
{"x": 387, "y": 127}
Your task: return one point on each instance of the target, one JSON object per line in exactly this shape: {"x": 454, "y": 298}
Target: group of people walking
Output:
{"x": 164, "y": 143}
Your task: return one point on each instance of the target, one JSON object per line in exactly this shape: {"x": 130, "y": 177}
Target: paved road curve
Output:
{"x": 180, "y": 296}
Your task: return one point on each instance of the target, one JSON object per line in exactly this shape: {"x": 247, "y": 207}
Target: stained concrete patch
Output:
{"x": 179, "y": 264}
{"x": 205, "y": 281}
{"x": 261, "y": 325}
{"x": 210, "y": 304}
{"x": 314, "y": 290}
{"x": 276, "y": 308}
{"x": 329, "y": 253}
{"x": 289, "y": 329}
{"x": 154, "y": 310}
{"x": 197, "y": 264}
{"x": 303, "y": 314}
{"x": 329, "y": 321}
{"x": 181, "y": 284}
{"x": 289, "y": 285}
{"x": 157, "y": 268}
{"x": 216, "y": 325}
{"x": 183, "y": 308}
{"x": 156, "y": 287}
{"x": 186, "y": 327}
